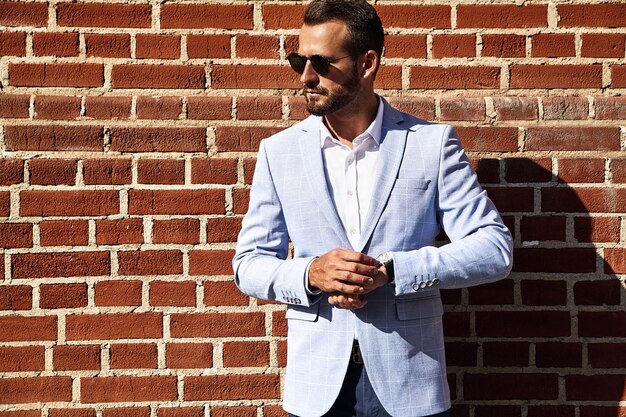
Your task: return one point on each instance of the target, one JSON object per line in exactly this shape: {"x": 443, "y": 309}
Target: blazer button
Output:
{"x": 416, "y": 286}
{"x": 423, "y": 284}
{"x": 297, "y": 301}
{"x": 436, "y": 281}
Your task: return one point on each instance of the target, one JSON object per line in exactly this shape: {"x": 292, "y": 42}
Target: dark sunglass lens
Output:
{"x": 320, "y": 64}
{"x": 297, "y": 62}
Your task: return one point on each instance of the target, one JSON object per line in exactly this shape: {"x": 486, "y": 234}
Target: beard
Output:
{"x": 335, "y": 98}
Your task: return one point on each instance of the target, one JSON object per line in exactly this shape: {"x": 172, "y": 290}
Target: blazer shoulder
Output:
{"x": 290, "y": 136}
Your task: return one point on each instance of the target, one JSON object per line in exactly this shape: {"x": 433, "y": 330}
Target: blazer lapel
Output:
{"x": 389, "y": 161}
{"x": 311, "y": 152}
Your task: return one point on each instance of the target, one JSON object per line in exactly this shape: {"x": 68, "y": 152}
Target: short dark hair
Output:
{"x": 365, "y": 30}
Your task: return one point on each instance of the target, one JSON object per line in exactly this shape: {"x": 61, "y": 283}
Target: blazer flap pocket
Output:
{"x": 419, "y": 308}
{"x": 415, "y": 183}
{"x": 295, "y": 312}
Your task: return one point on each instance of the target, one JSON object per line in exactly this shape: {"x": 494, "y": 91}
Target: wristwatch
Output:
{"x": 386, "y": 259}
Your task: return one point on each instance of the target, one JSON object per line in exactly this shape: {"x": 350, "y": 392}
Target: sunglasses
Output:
{"x": 320, "y": 63}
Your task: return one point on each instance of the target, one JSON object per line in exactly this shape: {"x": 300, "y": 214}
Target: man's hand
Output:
{"x": 352, "y": 302}
{"x": 344, "y": 271}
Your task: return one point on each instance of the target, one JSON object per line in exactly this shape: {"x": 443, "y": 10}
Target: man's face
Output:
{"x": 333, "y": 91}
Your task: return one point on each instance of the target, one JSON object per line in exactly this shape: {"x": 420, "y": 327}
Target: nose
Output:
{"x": 309, "y": 76}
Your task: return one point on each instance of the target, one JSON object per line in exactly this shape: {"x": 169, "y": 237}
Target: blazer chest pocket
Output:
{"x": 302, "y": 313}
{"x": 419, "y": 308}
{"x": 412, "y": 183}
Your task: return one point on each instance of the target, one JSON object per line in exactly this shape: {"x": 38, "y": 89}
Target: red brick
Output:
{"x": 69, "y": 203}
{"x": 107, "y": 171}
{"x": 126, "y": 412}
{"x": 127, "y": 389}
{"x": 15, "y": 297}
{"x": 209, "y": 108}
{"x": 242, "y": 139}
{"x": 27, "y": 329}
{"x": 53, "y": 171}
{"x": 572, "y": 138}
{"x": 595, "y": 387}
{"x": 254, "y": 76}
{"x": 21, "y": 413}
{"x": 597, "y": 292}
{"x": 455, "y": 77}
{"x": 408, "y": 16}
{"x": 22, "y": 358}
{"x": 56, "y": 75}
{"x": 405, "y": 46}
{"x": 454, "y": 46}
{"x": 13, "y": 105}
{"x": 242, "y": 354}
{"x": 462, "y": 109}
{"x": 158, "y": 46}
{"x": 60, "y": 264}
{"x": 614, "y": 261}
{"x": 618, "y": 170}
{"x": 422, "y": 107}
{"x": 217, "y": 325}
{"x": 283, "y": 16}
{"x": 118, "y": 293}
{"x": 544, "y": 292}
{"x": 104, "y": 15}
{"x": 516, "y": 108}
{"x": 35, "y": 389}
{"x": 610, "y": 108}
{"x": 181, "y": 412}
{"x": 556, "y": 76}
{"x": 602, "y": 323}
{"x": 63, "y": 295}
{"x": 177, "y": 231}
{"x": 502, "y": 16}
{"x": 497, "y": 410}
{"x": 189, "y": 355}
{"x": 551, "y": 410}
{"x": 512, "y": 199}
{"x": 74, "y": 358}
{"x": 12, "y": 43}
{"x": 542, "y": 228}
{"x": 553, "y": 45}
{"x": 16, "y": 235}
{"x": 274, "y": 411}
{"x": 150, "y": 262}
{"x": 108, "y": 45}
{"x": 176, "y": 294}
{"x": 204, "y": 16}
{"x": 165, "y": 108}
{"x": 297, "y": 108}
{"x": 98, "y": 107}
{"x": 223, "y": 293}
{"x": 389, "y": 77}
{"x": 23, "y": 14}
{"x": 279, "y": 323}
{"x": 522, "y": 323}
{"x": 208, "y": 46}
{"x": 57, "y": 107}
{"x": 597, "y": 229}
{"x": 485, "y": 139}
{"x": 161, "y": 139}
{"x": 161, "y": 171}
{"x": 114, "y": 326}
{"x": 292, "y": 43}
{"x": 223, "y": 229}
{"x": 4, "y": 204}
{"x": 607, "y": 355}
{"x": 582, "y": 200}
{"x": 210, "y": 262}
{"x": 257, "y": 46}
{"x": 232, "y": 387}
{"x": 237, "y": 411}
{"x": 134, "y": 356}
{"x": 213, "y": 171}
{"x": 158, "y": 76}
{"x": 562, "y": 260}
{"x": 201, "y": 202}
{"x": 456, "y": 324}
{"x": 241, "y": 199}
{"x": 505, "y": 353}
{"x": 64, "y": 233}
{"x": 488, "y": 170}
{"x": 461, "y": 354}
{"x": 71, "y": 412}
{"x": 504, "y": 45}
{"x": 510, "y": 386}
{"x": 54, "y": 138}
{"x": 591, "y": 15}
{"x": 618, "y": 76}
{"x": 488, "y": 293}
{"x": 259, "y": 108}
{"x": 62, "y": 44}
{"x": 565, "y": 108}
{"x": 581, "y": 170}
{"x": 603, "y": 45}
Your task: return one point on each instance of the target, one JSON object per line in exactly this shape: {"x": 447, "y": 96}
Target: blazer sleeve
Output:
{"x": 480, "y": 248}
{"x": 261, "y": 267}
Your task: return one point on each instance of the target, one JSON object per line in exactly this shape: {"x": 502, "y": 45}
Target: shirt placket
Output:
{"x": 352, "y": 197}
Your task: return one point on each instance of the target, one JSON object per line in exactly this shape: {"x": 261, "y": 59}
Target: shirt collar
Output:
{"x": 374, "y": 129}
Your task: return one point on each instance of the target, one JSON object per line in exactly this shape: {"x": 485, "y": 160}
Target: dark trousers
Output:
{"x": 358, "y": 399}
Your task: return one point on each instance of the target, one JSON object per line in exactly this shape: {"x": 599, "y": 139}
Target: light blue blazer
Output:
{"x": 424, "y": 183}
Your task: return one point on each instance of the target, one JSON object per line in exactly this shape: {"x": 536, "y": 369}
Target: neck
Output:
{"x": 352, "y": 120}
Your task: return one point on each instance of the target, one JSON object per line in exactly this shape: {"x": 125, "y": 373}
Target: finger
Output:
{"x": 358, "y": 257}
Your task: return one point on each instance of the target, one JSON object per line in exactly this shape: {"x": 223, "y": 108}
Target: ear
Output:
{"x": 370, "y": 64}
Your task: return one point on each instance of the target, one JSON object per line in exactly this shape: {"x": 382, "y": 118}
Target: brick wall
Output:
{"x": 128, "y": 136}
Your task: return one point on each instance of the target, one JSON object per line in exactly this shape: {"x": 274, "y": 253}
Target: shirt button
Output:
{"x": 353, "y": 231}
{"x": 350, "y": 159}
{"x": 350, "y": 193}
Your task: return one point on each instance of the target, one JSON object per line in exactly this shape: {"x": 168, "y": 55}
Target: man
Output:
{"x": 361, "y": 190}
